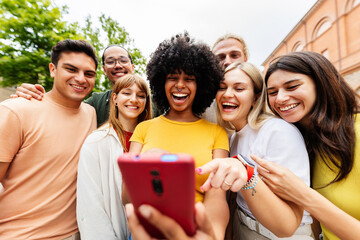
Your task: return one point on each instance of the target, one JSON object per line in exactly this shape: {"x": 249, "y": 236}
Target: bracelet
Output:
{"x": 248, "y": 187}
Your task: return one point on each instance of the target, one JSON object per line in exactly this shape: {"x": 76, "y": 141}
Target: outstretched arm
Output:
{"x": 284, "y": 183}
{"x": 230, "y": 173}
{"x": 28, "y": 91}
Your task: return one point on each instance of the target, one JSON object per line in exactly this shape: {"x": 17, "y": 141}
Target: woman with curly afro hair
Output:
{"x": 184, "y": 77}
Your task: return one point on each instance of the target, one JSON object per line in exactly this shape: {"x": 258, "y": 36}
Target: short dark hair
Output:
{"x": 69, "y": 45}
{"x": 181, "y": 53}
{"x": 115, "y": 45}
{"x": 332, "y": 116}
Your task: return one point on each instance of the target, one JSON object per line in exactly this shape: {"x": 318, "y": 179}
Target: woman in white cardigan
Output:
{"x": 100, "y": 213}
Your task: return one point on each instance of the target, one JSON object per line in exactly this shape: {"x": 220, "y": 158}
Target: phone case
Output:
{"x": 164, "y": 181}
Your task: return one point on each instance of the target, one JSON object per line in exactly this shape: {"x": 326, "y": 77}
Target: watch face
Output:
{"x": 245, "y": 160}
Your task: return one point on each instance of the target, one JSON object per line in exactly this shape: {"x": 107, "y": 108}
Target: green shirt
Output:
{"x": 101, "y": 102}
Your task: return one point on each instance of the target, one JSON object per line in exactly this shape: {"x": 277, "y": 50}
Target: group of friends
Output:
{"x": 298, "y": 125}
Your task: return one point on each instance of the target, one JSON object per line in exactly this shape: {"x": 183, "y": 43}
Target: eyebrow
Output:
{"x": 69, "y": 65}
{"x": 115, "y": 57}
{"x": 72, "y": 66}
{"x": 286, "y": 83}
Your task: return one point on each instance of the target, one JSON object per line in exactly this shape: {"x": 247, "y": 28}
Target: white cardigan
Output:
{"x": 100, "y": 213}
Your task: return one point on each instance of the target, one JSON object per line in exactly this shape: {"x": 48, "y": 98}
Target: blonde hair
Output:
{"x": 258, "y": 114}
{"x": 124, "y": 82}
{"x": 237, "y": 38}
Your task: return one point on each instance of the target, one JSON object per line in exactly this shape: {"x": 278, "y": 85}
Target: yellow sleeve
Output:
{"x": 139, "y": 133}
{"x": 221, "y": 139}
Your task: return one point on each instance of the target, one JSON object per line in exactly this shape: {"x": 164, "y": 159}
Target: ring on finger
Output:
{"x": 228, "y": 184}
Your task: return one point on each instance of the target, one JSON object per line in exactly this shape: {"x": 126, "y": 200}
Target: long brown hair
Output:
{"x": 124, "y": 82}
{"x": 332, "y": 135}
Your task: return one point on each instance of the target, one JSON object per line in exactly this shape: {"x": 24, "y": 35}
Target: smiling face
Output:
{"x": 229, "y": 51}
{"x": 180, "y": 90}
{"x": 130, "y": 101}
{"x": 235, "y": 97}
{"x": 291, "y": 95}
{"x": 116, "y": 63}
{"x": 74, "y": 78}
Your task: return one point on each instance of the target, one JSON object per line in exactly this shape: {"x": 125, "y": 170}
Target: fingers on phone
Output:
{"x": 137, "y": 230}
{"x": 170, "y": 228}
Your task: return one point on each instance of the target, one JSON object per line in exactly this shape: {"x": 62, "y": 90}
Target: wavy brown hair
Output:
{"x": 332, "y": 135}
{"x": 124, "y": 82}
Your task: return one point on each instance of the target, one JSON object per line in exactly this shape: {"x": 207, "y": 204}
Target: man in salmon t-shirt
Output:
{"x": 39, "y": 149}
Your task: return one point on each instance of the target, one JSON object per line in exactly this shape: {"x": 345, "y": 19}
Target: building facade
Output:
{"x": 332, "y": 28}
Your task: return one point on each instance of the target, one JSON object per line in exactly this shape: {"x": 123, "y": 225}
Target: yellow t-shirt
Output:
{"x": 198, "y": 139}
{"x": 344, "y": 194}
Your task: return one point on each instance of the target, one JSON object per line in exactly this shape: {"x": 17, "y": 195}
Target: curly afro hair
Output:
{"x": 181, "y": 53}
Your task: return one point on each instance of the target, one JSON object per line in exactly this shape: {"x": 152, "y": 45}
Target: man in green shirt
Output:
{"x": 117, "y": 62}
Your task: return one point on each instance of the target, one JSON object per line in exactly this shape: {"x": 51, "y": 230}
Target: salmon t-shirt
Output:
{"x": 41, "y": 140}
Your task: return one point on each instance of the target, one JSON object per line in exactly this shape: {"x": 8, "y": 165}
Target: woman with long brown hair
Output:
{"x": 304, "y": 88}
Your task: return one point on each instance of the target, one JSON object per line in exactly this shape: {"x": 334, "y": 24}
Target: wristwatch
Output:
{"x": 250, "y": 165}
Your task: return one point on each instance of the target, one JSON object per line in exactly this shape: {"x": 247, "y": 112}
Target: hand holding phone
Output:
{"x": 164, "y": 181}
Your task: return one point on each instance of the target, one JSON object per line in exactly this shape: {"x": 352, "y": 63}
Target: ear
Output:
{"x": 52, "y": 69}
{"x": 133, "y": 68}
{"x": 114, "y": 97}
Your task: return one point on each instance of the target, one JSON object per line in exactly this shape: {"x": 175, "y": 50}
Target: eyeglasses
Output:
{"x": 111, "y": 62}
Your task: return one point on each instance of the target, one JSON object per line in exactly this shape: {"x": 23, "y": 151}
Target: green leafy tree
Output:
{"x": 29, "y": 29}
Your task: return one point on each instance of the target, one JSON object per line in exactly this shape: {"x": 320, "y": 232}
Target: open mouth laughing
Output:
{"x": 180, "y": 97}
{"x": 229, "y": 106}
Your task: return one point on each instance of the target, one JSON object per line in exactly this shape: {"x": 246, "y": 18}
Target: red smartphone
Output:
{"x": 164, "y": 181}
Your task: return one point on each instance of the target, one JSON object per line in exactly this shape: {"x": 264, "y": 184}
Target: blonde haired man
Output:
{"x": 230, "y": 48}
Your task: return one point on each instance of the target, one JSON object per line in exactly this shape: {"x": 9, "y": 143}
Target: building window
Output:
{"x": 298, "y": 47}
{"x": 325, "y": 53}
{"x": 350, "y": 4}
{"x": 321, "y": 27}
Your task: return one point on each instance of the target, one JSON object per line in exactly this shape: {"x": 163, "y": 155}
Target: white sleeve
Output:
{"x": 93, "y": 220}
{"x": 284, "y": 144}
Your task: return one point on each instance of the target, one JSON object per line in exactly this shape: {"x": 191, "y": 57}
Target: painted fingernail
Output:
{"x": 145, "y": 211}
{"x": 198, "y": 170}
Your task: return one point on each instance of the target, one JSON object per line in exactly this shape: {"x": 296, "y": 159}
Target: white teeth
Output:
{"x": 179, "y": 94}
{"x": 78, "y": 87}
{"x": 229, "y": 104}
{"x": 288, "y": 107}
{"x": 132, "y": 107}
